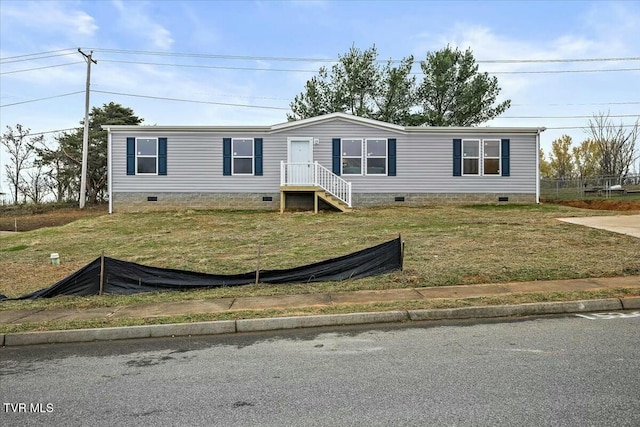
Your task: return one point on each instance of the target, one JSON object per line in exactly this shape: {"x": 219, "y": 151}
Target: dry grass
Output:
{"x": 445, "y": 245}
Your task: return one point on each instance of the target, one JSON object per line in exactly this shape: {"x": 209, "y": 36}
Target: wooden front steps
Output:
{"x": 318, "y": 194}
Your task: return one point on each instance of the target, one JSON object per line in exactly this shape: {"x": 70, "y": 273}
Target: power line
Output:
{"x": 36, "y": 54}
{"x": 566, "y": 117}
{"x": 42, "y": 99}
{"x": 300, "y": 59}
{"x": 222, "y": 67}
{"x": 584, "y": 127}
{"x": 193, "y": 101}
{"x": 34, "y": 59}
{"x": 51, "y": 131}
{"x": 42, "y": 68}
{"x": 563, "y": 105}
{"x": 562, "y": 71}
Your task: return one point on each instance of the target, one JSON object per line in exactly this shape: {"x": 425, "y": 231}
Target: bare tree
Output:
{"x": 20, "y": 147}
{"x": 60, "y": 181}
{"x": 616, "y": 144}
{"x": 35, "y": 185}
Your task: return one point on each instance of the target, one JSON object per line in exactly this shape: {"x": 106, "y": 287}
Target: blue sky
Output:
{"x": 195, "y": 41}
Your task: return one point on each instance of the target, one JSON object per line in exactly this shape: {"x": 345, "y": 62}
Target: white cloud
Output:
{"x": 137, "y": 21}
{"x": 51, "y": 17}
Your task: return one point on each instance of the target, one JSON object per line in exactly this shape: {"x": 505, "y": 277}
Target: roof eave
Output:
{"x": 473, "y": 129}
{"x": 177, "y": 129}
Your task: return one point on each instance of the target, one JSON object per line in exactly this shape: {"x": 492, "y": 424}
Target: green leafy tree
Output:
{"x": 395, "y": 92}
{"x": 454, "y": 93}
{"x": 545, "y": 166}
{"x": 357, "y": 84}
{"x": 586, "y": 159}
{"x": 561, "y": 161}
{"x": 66, "y": 159}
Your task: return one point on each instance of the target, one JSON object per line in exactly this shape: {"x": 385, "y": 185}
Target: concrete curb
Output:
{"x": 120, "y": 333}
{"x": 254, "y": 325}
{"x": 630, "y": 303}
{"x": 279, "y": 323}
{"x": 517, "y": 310}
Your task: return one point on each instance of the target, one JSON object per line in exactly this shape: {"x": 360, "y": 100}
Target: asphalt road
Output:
{"x": 547, "y": 372}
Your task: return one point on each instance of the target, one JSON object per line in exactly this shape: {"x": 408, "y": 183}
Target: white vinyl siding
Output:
{"x": 423, "y": 161}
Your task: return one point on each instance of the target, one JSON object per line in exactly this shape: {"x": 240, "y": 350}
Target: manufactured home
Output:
{"x": 335, "y": 161}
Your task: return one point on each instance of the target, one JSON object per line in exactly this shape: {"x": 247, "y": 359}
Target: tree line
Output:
{"x": 40, "y": 170}
{"x": 609, "y": 150}
{"x": 452, "y": 92}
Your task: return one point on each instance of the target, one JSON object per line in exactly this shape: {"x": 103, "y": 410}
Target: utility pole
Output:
{"x": 85, "y": 138}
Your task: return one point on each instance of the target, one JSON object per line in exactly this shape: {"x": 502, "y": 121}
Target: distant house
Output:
{"x": 336, "y": 160}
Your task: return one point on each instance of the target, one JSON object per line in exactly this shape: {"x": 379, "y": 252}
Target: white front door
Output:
{"x": 300, "y": 161}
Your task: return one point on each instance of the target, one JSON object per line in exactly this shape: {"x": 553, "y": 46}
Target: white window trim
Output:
{"x": 479, "y": 158}
{"x": 253, "y": 154}
{"x": 499, "y": 158}
{"x": 146, "y": 157}
{"x": 385, "y": 157}
{"x": 362, "y": 160}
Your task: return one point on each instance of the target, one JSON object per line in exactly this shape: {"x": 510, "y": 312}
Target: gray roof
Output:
{"x": 280, "y": 127}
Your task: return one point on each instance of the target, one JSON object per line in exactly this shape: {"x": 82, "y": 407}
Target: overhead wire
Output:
{"x": 301, "y": 59}
{"x": 223, "y": 67}
{"x": 37, "y": 54}
{"x": 42, "y": 99}
{"x": 41, "y": 68}
{"x": 34, "y": 59}
{"x": 192, "y": 100}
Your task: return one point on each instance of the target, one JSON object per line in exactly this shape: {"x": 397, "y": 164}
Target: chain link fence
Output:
{"x": 590, "y": 188}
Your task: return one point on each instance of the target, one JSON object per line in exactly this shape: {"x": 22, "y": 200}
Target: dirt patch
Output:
{"x": 13, "y": 219}
{"x": 604, "y": 205}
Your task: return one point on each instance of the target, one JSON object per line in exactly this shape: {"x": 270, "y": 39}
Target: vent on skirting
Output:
{"x": 399, "y": 199}
{"x": 152, "y": 199}
{"x": 267, "y": 199}
{"x": 503, "y": 199}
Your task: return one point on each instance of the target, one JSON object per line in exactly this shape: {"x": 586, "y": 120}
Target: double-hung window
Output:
{"x": 376, "y": 150}
{"x": 470, "y": 157}
{"x": 352, "y": 157}
{"x": 491, "y": 157}
{"x": 146, "y": 156}
{"x": 242, "y": 156}
{"x": 481, "y": 157}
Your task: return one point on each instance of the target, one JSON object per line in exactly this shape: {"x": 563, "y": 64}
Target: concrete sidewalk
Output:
{"x": 14, "y": 317}
{"x": 623, "y": 224}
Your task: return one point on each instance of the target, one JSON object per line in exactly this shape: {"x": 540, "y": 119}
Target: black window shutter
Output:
{"x": 506, "y": 167}
{"x": 162, "y": 156}
{"x": 457, "y": 157}
{"x": 257, "y": 156}
{"x": 131, "y": 156}
{"x": 336, "y": 156}
{"x": 391, "y": 156}
{"x": 226, "y": 156}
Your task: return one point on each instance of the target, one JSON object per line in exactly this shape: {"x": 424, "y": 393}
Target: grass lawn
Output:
{"x": 445, "y": 245}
